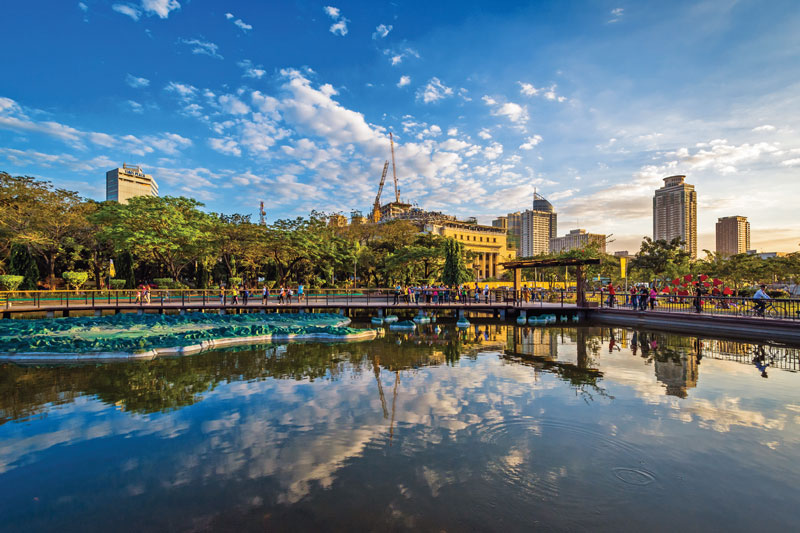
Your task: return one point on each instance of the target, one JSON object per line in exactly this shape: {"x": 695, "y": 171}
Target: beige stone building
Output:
{"x": 124, "y": 183}
{"x": 488, "y": 243}
{"x": 733, "y": 235}
{"x": 577, "y": 239}
{"x": 675, "y": 213}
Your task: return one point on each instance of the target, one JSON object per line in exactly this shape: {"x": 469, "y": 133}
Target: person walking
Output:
{"x": 486, "y": 293}
{"x": 235, "y": 294}
{"x": 300, "y": 289}
{"x": 698, "y": 299}
{"x": 612, "y": 295}
{"x": 264, "y": 295}
{"x": 245, "y": 294}
{"x": 397, "y": 291}
{"x": 653, "y": 297}
{"x": 289, "y": 294}
{"x": 644, "y": 294}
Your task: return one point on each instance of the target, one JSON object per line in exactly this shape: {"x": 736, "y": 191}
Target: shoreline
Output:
{"x": 211, "y": 344}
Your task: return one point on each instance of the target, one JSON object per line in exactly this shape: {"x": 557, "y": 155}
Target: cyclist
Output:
{"x": 759, "y": 298}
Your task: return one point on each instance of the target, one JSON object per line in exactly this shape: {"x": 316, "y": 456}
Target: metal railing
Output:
{"x": 733, "y": 306}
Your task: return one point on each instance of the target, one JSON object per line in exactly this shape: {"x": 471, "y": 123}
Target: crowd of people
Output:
{"x": 641, "y": 297}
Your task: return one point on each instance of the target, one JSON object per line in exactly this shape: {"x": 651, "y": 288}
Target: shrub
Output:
{"x": 11, "y": 282}
{"x": 234, "y": 281}
{"x": 75, "y": 279}
{"x": 117, "y": 284}
{"x": 164, "y": 283}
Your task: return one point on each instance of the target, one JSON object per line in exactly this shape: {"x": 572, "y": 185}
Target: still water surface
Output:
{"x": 497, "y": 428}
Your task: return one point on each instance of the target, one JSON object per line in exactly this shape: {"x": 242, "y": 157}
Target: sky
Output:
{"x": 591, "y": 104}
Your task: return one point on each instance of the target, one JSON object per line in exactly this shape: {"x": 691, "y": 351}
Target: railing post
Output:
{"x": 92, "y": 299}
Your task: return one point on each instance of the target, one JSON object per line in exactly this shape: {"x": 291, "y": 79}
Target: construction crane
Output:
{"x": 394, "y": 170}
{"x": 376, "y": 209}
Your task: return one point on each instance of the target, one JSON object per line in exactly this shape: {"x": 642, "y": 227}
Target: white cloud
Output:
{"x": 128, "y": 10}
{"x": 203, "y": 47}
{"x": 250, "y": 70}
{"x": 721, "y": 156}
{"x": 765, "y": 127}
{"x": 616, "y": 15}
{"x": 531, "y": 142}
{"x": 239, "y": 22}
{"x": 549, "y": 93}
{"x": 434, "y": 91}
{"x": 136, "y": 82}
{"x": 340, "y": 26}
{"x": 382, "y": 31}
{"x": 184, "y": 91}
{"x": 135, "y": 107}
{"x": 161, "y": 8}
{"x": 493, "y": 151}
{"x": 404, "y": 80}
{"x": 452, "y": 132}
{"x": 396, "y": 57}
{"x": 516, "y": 113}
{"x": 225, "y": 146}
{"x": 484, "y": 134}
{"x": 791, "y": 162}
{"x": 232, "y": 105}
{"x": 83, "y": 7}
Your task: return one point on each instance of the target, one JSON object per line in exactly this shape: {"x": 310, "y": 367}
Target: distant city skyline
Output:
{"x": 591, "y": 104}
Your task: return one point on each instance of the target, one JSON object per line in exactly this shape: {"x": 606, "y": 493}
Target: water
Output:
{"x": 498, "y": 428}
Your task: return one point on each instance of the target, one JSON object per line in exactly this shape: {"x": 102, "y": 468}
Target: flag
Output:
{"x": 111, "y": 271}
{"x": 623, "y": 267}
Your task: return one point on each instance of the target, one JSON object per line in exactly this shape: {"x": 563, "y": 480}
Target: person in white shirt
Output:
{"x": 759, "y": 297}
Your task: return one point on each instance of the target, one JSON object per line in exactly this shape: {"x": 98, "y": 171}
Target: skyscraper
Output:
{"x": 578, "y": 239}
{"x": 733, "y": 235}
{"x": 675, "y": 213}
{"x": 537, "y": 227}
{"x": 129, "y": 181}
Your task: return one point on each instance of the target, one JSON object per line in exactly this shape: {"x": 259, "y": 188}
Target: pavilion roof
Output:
{"x": 548, "y": 262}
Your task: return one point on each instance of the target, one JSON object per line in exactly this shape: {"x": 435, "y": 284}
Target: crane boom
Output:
{"x": 376, "y": 209}
{"x": 394, "y": 170}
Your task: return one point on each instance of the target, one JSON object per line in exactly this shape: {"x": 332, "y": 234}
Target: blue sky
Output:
{"x": 590, "y": 103}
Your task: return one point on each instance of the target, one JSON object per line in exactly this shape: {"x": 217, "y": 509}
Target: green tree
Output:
{"x": 661, "y": 258}
{"x": 22, "y": 263}
{"x": 455, "y": 270}
{"x": 170, "y": 231}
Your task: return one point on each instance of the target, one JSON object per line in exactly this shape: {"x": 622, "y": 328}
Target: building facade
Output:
{"x": 337, "y": 220}
{"x": 733, "y": 235}
{"x": 537, "y": 227}
{"x": 488, "y": 245}
{"x": 124, "y": 183}
{"x": 577, "y": 239}
{"x": 675, "y": 213}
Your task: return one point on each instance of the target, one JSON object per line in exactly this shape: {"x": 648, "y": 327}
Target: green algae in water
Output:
{"x": 129, "y": 332}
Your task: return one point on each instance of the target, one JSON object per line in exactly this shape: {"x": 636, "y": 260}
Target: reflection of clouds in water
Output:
{"x": 726, "y": 412}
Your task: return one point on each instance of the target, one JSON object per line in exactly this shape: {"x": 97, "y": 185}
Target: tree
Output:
{"x": 170, "y": 231}
{"x": 455, "y": 270}
{"x": 661, "y": 258}
{"x": 22, "y": 263}
{"x": 75, "y": 279}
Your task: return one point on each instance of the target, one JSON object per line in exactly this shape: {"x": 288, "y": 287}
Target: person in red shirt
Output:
{"x": 612, "y": 295}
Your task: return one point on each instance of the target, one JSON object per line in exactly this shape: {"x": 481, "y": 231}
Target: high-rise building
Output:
{"x": 124, "y": 183}
{"x": 733, "y": 235}
{"x": 577, "y": 239}
{"x": 537, "y": 227}
{"x": 512, "y": 223}
{"x": 675, "y": 213}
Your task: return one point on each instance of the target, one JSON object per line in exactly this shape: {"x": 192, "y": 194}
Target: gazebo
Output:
{"x": 519, "y": 264}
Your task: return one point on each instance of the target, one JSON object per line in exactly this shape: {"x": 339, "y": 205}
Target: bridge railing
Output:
{"x": 778, "y": 308}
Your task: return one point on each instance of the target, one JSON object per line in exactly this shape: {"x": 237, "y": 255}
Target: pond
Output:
{"x": 493, "y": 428}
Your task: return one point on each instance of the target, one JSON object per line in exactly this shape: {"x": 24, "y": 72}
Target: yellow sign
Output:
{"x": 623, "y": 267}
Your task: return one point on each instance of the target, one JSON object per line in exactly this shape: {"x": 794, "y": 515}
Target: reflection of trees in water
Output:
{"x": 171, "y": 383}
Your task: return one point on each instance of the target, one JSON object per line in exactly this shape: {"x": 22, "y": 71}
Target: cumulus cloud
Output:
{"x": 160, "y": 8}
{"x": 136, "y": 82}
{"x": 250, "y": 70}
{"x": 404, "y": 80}
{"x": 225, "y": 146}
{"x": 127, "y": 10}
{"x": 493, "y": 151}
{"x": 549, "y": 93}
{"x": 203, "y": 47}
{"x": 484, "y": 134}
{"x": 339, "y": 27}
{"x": 722, "y": 156}
{"x": 381, "y": 31}
{"x": 531, "y": 142}
{"x": 516, "y": 113}
{"x": 765, "y": 127}
{"x": 434, "y": 91}
{"x": 238, "y": 22}
{"x": 232, "y": 105}
{"x": 397, "y": 56}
